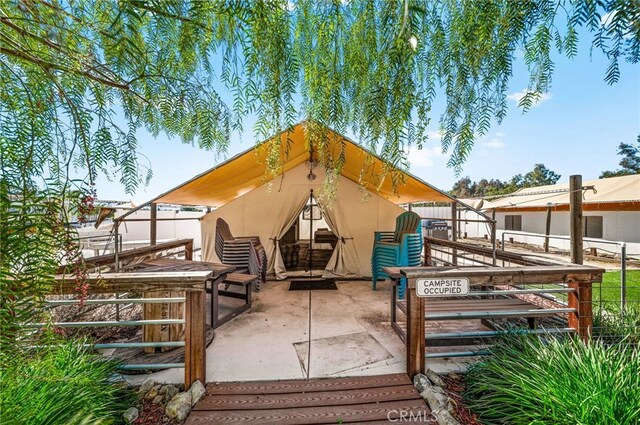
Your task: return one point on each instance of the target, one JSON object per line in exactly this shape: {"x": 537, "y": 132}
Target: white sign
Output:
{"x": 446, "y": 287}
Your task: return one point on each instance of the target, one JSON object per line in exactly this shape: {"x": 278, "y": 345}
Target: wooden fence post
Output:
{"x": 415, "y": 331}
{"x": 581, "y": 301}
{"x": 575, "y": 211}
{"x": 153, "y": 224}
{"x": 547, "y": 230}
{"x": 427, "y": 252}
{"x": 188, "y": 250}
{"x": 195, "y": 342}
{"x": 454, "y": 232}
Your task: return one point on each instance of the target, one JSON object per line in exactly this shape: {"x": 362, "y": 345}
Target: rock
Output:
{"x": 197, "y": 390}
{"x": 130, "y": 415}
{"x": 435, "y": 397}
{"x": 121, "y": 385}
{"x": 179, "y": 407}
{"x": 146, "y": 386}
{"x": 445, "y": 418}
{"x": 168, "y": 391}
{"x": 433, "y": 377}
{"x": 454, "y": 376}
{"x": 153, "y": 392}
{"x": 421, "y": 382}
{"x": 159, "y": 399}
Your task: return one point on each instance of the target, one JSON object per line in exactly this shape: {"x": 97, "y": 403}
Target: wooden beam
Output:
{"x": 104, "y": 260}
{"x": 153, "y": 224}
{"x": 575, "y": 212}
{"x": 415, "y": 331}
{"x": 109, "y": 283}
{"x": 513, "y": 257}
{"x": 547, "y": 230}
{"x": 509, "y": 275}
{"x": 195, "y": 360}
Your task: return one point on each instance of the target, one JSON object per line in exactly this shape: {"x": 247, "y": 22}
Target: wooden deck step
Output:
{"x": 317, "y": 401}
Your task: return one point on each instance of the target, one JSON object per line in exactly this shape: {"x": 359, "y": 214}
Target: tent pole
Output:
{"x": 311, "y": 234}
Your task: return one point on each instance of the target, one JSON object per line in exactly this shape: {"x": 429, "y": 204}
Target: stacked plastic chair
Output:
{"x": 402, "y": 247}
{"x": 246, "y": 253}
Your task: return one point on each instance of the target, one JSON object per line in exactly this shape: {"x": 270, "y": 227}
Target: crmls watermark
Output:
{"x": 401, "y": 415}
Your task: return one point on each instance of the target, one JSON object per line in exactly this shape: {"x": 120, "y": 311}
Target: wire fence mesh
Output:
{"x": 615, "y": 300}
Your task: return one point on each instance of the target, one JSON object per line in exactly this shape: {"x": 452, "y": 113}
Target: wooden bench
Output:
{"x": 242, "y": 280}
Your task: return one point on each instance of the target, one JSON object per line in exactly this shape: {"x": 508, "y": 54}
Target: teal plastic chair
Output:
{"x": 402, "y": 247}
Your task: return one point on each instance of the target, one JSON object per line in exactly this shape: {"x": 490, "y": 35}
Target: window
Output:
{"x": 512, "y": 222}
{"x": 593, "y": 226}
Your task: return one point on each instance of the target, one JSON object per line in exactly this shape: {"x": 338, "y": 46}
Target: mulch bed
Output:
{"x": 152, "y": 414}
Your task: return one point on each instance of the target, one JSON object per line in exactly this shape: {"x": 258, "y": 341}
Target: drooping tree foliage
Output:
{"x": 79, "y": 77}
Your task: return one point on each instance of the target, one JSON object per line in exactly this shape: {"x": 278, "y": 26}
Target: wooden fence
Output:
{"x": 159, "y": 288}
{"x": 578, "y": 280}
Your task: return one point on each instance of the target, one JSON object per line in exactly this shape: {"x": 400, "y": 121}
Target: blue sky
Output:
{"x": 575, "y": 129}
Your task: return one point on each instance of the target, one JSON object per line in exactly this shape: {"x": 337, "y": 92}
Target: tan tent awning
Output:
{"x": 246, "y": 172}
{"x": 614, "y": 193}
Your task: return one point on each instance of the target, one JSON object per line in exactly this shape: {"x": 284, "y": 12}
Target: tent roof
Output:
{"x": 246, "y": 171}
{"x": 613, "y": 190}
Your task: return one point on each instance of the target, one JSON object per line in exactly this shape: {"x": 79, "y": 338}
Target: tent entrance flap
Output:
{"x": 289, "y": 213}
{"x": 352, "y": 215}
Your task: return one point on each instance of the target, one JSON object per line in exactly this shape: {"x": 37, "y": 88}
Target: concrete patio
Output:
{"x": 347, "y": 331}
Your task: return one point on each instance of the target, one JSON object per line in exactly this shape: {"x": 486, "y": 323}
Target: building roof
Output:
{"x": 614, "y": 193}
{"x": 246, "y": 171}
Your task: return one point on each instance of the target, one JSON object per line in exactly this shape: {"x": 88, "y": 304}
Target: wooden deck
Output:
{"x": 366, "y": 399}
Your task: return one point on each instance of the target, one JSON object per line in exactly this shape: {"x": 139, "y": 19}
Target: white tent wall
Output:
{"x": 256, "y": 213}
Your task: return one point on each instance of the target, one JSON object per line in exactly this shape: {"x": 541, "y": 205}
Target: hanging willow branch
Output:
{"x": 79, "y": 78}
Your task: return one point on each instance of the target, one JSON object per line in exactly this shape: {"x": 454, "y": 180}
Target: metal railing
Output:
{"x": 112, "y": 345}
{"x": 191, "y": 283}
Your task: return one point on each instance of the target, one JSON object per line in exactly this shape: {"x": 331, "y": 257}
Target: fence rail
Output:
{"x": 161, "y": 286}
{"x": 502, "y": 287}
{"x": 616, "y": 299}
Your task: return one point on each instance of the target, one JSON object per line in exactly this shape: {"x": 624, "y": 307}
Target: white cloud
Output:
{"x": 495, "y": 143}
{"x": 434, "y": 135}
{"x": 517, "y": 96}
{"x": 424, "y": 157}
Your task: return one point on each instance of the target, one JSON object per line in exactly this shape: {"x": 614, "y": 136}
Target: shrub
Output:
{"x": 62, "y": 384}
{"x": 538, "y": 380}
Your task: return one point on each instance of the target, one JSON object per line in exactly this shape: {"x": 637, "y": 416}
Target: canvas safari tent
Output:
{"x": 363, "y": 203}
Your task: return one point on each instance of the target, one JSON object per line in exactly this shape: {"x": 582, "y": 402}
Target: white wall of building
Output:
{"x": 622, "y": 226}
{"x": 618, "y": 226}
{"x": 134, "y": 231}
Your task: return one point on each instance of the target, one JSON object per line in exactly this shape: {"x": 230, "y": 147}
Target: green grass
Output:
{"x": 534, "y": 381}
{"x": 64, "y": 384}
{"x": 609, "y": 291}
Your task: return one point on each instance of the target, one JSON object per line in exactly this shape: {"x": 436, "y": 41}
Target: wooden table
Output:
{"x": 159, "y": 333}
{"x": 325, "y": 236}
